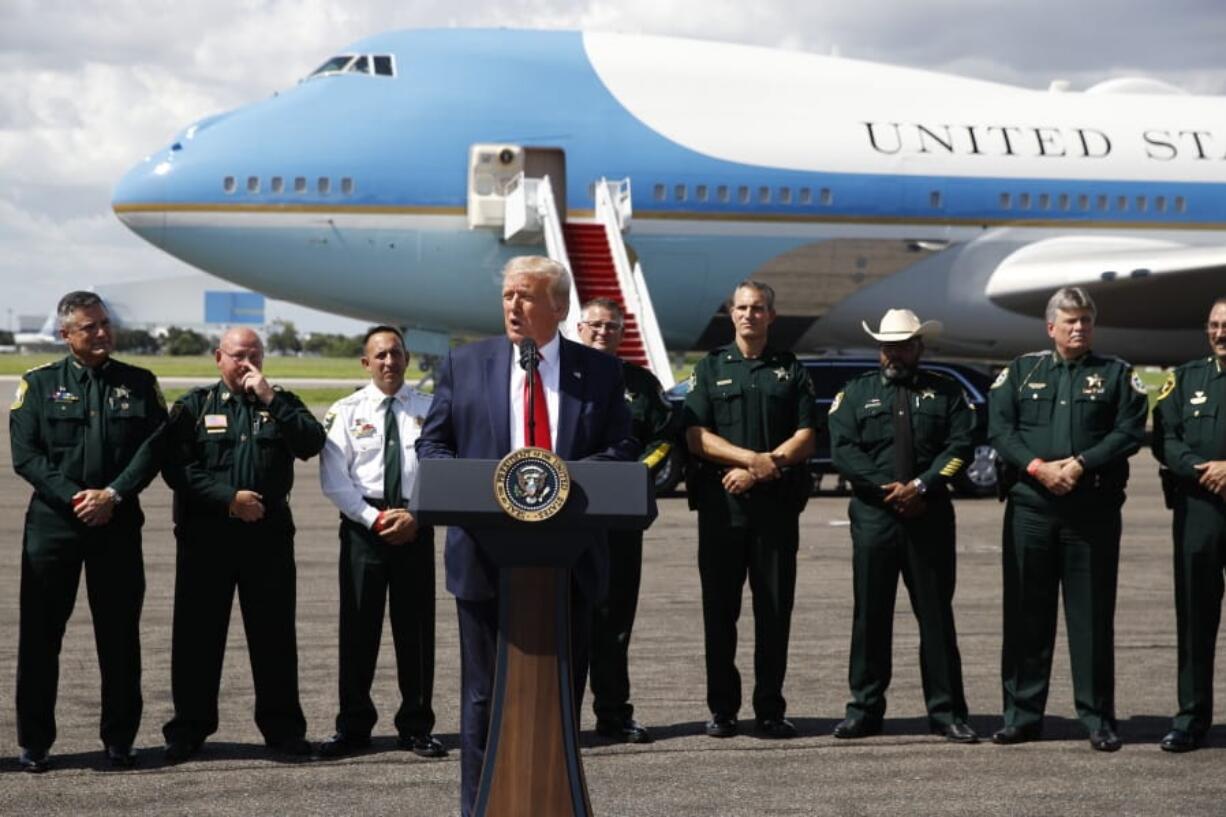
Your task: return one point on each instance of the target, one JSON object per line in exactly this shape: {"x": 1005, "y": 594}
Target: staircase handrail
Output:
{"x": 555, "y": 248}
{"x": 631, "y": 281}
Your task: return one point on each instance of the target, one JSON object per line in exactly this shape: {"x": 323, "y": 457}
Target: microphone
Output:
{"x": 528, "y": 355}
{"x": 528, "y": 360}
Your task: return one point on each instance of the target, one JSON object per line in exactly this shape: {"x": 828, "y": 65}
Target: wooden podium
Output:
{"x": 532, "y": 766}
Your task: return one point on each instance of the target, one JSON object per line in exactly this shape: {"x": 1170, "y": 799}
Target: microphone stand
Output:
{"x": 528, "y": 360}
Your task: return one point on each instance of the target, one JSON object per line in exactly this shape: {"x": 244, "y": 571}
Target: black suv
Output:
{"x": 829, "y": 376}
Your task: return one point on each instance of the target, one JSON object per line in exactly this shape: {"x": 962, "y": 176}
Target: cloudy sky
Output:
{"x": 88, "y": 87}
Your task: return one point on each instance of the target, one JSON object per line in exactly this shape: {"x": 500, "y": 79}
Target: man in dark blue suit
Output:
{"x": 478, "y": 413}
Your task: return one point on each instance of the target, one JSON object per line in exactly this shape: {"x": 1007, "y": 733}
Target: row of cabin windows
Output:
{"x": 723, "y": 194}
{"x": 276, "y": 184}
{"x": 1084, "y": 202}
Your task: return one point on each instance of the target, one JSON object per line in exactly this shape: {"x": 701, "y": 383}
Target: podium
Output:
{"x": 532, "y": 765}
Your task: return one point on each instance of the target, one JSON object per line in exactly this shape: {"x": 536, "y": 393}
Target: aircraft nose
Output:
{"x": 139, "y": 198}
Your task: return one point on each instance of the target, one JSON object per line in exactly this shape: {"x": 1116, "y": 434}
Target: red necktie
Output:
{"x": 540, "y": 415}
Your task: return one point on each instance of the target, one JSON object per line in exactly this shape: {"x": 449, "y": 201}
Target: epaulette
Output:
{"x": 1039, "y": 353}
{"x": 46, "y": 365}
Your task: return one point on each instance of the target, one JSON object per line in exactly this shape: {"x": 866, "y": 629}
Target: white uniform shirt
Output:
{"x": 548, "y": 371}
{"x": 351, "y": 464}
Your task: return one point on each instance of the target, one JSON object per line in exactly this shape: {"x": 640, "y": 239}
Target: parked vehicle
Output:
{"x": 829, "y": 376}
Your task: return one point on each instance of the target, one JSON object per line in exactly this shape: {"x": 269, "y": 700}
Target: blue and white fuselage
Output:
{"x": 854, "y": 187}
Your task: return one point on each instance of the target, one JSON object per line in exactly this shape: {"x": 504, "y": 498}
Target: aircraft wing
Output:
{"x": 1136, "y": 283}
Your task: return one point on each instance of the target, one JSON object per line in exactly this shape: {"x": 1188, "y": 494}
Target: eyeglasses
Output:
{"x": 603, "y": 326}
{"x": 242, "y": 357}
{"x": 1215, "y": 326}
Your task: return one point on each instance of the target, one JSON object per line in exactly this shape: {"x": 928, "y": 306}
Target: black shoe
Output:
{"x": 776, "y": 728}
{"x": 626, "y": 731}
{"x": 178, "y": 751}
{"x": 851, "y": 728}
{"x": 956, "y": 732}
{"x": 1178, "y": 740}
{"x": 1010, "y": 735}
{"x": 292, "y": 747}
{"x": 722, "y": 726}
{"x": 1105, "y": 740}
{"x": 342, "y": 744}
{"x": 121, "y": 757}
{"x": 33, "y": 762}
{"x": 423, "y": 745}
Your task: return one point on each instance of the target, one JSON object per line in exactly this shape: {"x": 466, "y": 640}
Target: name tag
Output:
{"x": 724, "y": 382}
{"x": 216, "y": 423}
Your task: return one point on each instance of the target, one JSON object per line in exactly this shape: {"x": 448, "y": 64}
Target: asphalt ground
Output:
{"x": 904, "y": 771}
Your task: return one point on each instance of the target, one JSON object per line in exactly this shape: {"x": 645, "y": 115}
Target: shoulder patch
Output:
{"x": 1138, "y": 385}
{"x": 1001, "y": 378}
{"x": 838, "y": 401}
{"x": 1168, "y": 386}
{"x": 329, "y": 418}
{"x": 19, "y": 399}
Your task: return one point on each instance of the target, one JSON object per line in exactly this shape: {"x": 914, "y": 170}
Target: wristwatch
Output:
{"x": 919, "y": 486}
{"x": 116, "y": 498}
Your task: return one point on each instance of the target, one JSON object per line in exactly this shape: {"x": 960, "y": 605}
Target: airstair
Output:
{"x": 592, "y": 249}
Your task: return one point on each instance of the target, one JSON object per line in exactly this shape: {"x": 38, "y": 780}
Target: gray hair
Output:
{"x": 605, "y": 303}
{"x": 1070, "y": 299}
{"x": 80, "y": 299}
{"x": 768, "y": 292}
{"x": 539, "y": 265}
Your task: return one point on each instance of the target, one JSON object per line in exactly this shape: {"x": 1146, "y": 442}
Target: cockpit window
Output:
{"x": 379, "y": 64}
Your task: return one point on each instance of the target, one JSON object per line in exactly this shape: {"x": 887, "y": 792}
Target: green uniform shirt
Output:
{"x": 1041, "y": 406}
{"x": 220, "y": 443}
{"x": 651, "y": 417}
{"x": 756, "y": 404}
{"x": 50, "y": 428}
{"x": 1190, "y": 418}
{"x": 862, "y": 430}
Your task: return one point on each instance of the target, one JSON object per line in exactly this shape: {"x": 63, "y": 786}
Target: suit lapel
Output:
{"x": 571, "y": 383}
{"x": 498, "y": 390}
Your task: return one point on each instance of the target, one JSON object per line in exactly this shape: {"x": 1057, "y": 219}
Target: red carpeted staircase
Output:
{"x": 592, "y": 267}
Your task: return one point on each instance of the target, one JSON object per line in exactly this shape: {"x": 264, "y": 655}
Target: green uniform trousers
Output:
{"x": 922, "y": 551}
{"x": 612, "y": 623}
{"x": 1200, "y": 556}
{"x": 765, "y": 551}
{"x": 373, "y": 576}
{"x": 1076, "y": 549}
{"x": 215, "y": 559}
{"x": 54, "y": 551}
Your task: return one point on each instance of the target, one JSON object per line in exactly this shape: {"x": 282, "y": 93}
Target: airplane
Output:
{"x": 383, "y": 187}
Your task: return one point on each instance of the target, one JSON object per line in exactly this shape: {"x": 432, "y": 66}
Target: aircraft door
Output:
{"x": 551, "y": 162}
{"x": 491, "y": 175}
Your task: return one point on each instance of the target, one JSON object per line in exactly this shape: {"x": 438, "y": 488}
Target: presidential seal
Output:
{"x": 531, "y": 484}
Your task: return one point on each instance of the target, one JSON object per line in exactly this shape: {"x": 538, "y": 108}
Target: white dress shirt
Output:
{"x": 351, "y": 464}
{"x": 548, "y": 370}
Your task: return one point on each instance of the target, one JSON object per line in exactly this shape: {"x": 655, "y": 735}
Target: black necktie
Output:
{"x": 392, "y": 494}
{"x": 95, "y": 436}
{"x": 904, "y": 451}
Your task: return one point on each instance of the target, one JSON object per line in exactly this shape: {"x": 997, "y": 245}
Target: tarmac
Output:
{"x": 905, "y": 771}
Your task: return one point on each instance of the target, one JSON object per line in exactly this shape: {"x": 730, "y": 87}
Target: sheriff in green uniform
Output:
{"x": 898, "y": 435}
{"x": 86, "y": 434}
{"x": 1190, "y": 440}
{"x": 603, "y": 326}
{"x": 1066, "y": 421}
{"x": 230, "y": 460}
{"x": 749, "y": 421}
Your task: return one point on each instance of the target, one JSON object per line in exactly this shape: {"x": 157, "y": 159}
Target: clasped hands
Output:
{"x": 1213, "y": 476}
{"x": 1059, "y": 476}
{"x": 762, "y": 467}
{"x": 93, "y": 506}
{"x": 904, "y": 499}
{"x": 396, "y": 526}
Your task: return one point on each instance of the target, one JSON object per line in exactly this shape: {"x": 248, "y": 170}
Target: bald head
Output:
{"x": 239, "y": 352}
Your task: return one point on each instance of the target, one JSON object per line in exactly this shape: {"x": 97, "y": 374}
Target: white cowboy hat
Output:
{"x": 902, "y": 324}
